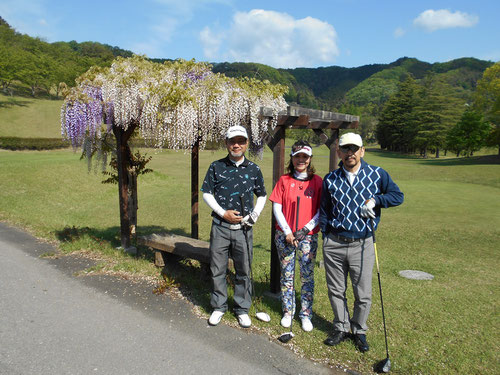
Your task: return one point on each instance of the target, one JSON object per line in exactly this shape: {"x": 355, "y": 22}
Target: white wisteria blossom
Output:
{"x": 175, "y": 104}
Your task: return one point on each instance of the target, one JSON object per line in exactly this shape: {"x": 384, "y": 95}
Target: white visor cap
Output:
{"x": 236, "y": 131}
{"x": 302, "y": 149}
{"x": 351, "y": 139}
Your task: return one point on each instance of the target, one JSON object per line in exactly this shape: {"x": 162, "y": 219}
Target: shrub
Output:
{"x": 16, "y": 143}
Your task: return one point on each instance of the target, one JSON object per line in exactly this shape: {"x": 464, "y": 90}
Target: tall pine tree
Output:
{"x": 437, "y": 112}
{"x": 396, "y": 127}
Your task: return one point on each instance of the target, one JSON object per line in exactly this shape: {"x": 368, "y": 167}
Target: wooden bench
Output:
{"x": 182, "y": 246}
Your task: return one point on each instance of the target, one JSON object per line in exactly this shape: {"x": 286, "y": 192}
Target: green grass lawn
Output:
{"x": 27, "y": 117}
{"x": 449, "y": 226}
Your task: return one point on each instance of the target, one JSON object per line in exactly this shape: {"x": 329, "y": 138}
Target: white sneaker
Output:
{"x": 244, "y": 320}
{"x": 306, "y": 324}
{"x": 286, "y": 321}
{"x": 215, "y": 318}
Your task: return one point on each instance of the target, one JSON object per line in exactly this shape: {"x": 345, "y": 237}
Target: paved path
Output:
{"x": 52, "y": 322}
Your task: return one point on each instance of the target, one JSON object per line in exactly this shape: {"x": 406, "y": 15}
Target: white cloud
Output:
{"x": 211, "y": 43}
{"x": 432, "y": 20}
{"x": 165, "y": 28}
{"x": 273, "y": 38}
{"x": 399, "y": 32}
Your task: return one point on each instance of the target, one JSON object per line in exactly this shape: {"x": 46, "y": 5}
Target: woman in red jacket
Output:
{"x": 300, "y": 181}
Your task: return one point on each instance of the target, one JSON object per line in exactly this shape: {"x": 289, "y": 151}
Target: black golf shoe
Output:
{"x": 336, "y": 338}
{"x": 361, "y": 343}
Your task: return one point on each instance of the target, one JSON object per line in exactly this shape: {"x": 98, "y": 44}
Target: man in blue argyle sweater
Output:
{"x": 352, "y": 195}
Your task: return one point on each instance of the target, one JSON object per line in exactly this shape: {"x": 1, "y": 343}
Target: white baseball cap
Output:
{"x": 351, "y": 139}
{"x": 302, "y": 149}
{"x": 236, "y": 131}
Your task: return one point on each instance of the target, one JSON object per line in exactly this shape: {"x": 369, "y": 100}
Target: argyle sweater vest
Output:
{"x": 341, "y": 203}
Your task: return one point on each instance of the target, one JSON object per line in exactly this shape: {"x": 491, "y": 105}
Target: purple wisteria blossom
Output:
{"x": 194, "y": 76}
{"x": 85, "y": 116}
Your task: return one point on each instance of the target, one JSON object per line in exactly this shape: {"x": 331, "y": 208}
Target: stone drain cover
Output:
{"x": 416, "y": 275}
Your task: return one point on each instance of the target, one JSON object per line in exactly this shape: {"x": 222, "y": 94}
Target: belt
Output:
{"x": 346, "y": 239}
{"x": 226, "y": 225}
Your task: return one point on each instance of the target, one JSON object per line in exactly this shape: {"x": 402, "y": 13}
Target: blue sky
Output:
{"x": 280, "y": 33}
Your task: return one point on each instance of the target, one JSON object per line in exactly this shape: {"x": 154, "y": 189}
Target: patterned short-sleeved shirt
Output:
{"x": 227, "y": 182}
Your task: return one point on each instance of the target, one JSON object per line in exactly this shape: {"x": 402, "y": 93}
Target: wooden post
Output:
{"x": 333, "y": 142}
{"x": 278, "y": 143}
{"x": 195, "y": 156}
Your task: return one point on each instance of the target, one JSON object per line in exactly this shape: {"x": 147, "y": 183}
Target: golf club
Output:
{"x": 259, "y": 314}
{"x": 383, "y": 366}
{"x": 285, "y": 337}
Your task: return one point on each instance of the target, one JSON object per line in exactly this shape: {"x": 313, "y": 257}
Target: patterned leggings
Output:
{"x": 306, "y": 254}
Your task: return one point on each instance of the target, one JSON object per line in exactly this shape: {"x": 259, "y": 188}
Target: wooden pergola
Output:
{"x": 293, "y": 118}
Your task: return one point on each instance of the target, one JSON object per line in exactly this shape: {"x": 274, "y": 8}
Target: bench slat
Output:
{"x": 179, "y": 245}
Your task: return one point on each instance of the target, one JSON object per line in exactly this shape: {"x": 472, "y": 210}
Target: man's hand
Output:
{"x": 301, "y": 234}
{"x": 290, "y": 239}
{"x": 367, "y": 209}
{"x": 232, "y": 216}
{"x": 250, "y": 219}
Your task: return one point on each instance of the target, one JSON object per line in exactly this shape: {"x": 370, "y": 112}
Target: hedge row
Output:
{"x": 16, "y": 143}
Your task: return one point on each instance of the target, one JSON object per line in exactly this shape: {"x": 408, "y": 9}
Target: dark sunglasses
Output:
{"x": 346, "y": 148}
{"x": 233, "y": 141}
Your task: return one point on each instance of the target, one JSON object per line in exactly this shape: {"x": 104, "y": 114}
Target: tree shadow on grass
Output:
{"x": 14, "y": 102}
{"x": 190, "y": 276}
{"x": 111, "y": 234}
{"x": 390, "y": 154}
{"x": 473, "y": 160}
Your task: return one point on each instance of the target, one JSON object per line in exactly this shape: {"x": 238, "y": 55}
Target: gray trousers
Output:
{"x": 225, "y": 242}
{"x": 356, "y": 259}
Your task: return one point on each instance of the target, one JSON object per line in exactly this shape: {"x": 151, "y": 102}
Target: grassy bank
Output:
{"x": 448, "y": 226}
{"x": 27, "y": 117}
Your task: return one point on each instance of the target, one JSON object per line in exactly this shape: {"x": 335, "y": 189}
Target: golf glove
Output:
{"x": 250, "y": 219}
{"x": 301, "y": 234}
{"x": 367, "y": 209}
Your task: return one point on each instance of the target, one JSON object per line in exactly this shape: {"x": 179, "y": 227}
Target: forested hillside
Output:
{"x": 40, "y": 66}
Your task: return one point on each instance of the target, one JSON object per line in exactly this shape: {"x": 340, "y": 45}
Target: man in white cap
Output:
{"x": 352, "y": 195}
{"x": 228, "y": 182}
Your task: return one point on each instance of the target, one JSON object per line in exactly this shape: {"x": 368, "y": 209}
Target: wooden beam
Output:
{"x": 313, "y": 115}
{"x": 274, "y": 138}
{"x": 293, "y": 121}
{"x": 321, "y": 134}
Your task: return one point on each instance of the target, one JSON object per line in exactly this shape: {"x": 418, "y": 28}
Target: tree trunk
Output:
{"x": 195, "y": 157}
{"x": 128, "y": 209}
{"x": 437, "y": 153}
